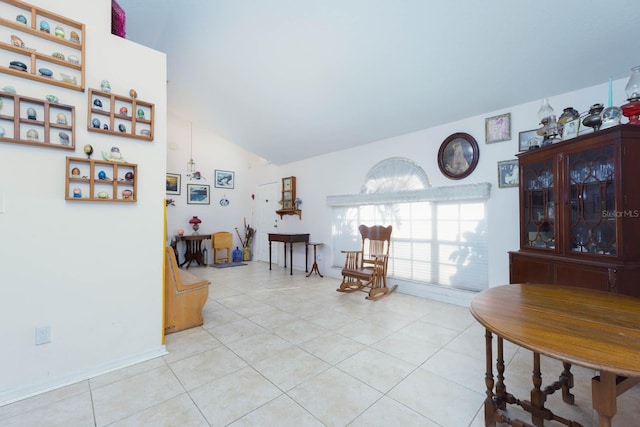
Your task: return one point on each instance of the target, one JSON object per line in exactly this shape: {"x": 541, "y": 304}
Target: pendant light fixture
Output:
{"x": 191, "y": 165}
{"x": 192, "y": 173}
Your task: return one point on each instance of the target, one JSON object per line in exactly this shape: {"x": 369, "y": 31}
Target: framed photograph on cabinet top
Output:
{"x": 529, "y": 139}
{"x": 224, "y": 179}
{"x": 498, "y": 128}
{"x": 570, "y": 129}
{"x": 508, "y": 173}
{"x": 173, "y": 183}
{"x": 198, "y": 194}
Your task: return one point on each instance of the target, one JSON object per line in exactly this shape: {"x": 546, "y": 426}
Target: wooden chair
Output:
{"x": 184, "y": 296}
{"x": 222, "y": 240}
{"x": 366, "y": 269}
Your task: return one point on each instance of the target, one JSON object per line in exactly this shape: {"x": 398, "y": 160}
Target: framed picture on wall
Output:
{"x": 508, "y": 173}
{"x": 173, "y": 183}
{"x": 198, "y": 194}
{"x": 458, "y": 155}
{"x": 498, "y": 128}
{"x": 224, "y": 179}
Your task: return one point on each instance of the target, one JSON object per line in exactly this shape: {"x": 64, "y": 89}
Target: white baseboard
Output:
{"x": 438, "y": 293}
{"x": 13, "y": 395}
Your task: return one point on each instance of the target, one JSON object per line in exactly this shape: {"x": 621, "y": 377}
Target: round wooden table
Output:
{"x": 594, "y": 329}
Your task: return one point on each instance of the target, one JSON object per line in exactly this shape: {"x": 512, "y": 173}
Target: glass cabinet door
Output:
{"x": 538, "y": 213}
{"x": 592, "y": 200}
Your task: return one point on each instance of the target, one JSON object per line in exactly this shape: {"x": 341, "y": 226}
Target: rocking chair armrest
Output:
{"x": 351, "y": 259}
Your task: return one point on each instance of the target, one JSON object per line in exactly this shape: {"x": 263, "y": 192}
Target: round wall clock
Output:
{"x": 458, "y": 155}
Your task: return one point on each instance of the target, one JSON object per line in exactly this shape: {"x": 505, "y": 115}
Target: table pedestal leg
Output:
{"x": 285, "y": 253}
{"x": 489, "y": 403}
{"x": 290, "y": 258}
{"x": 566, "y": 378}
{"x": 604, "y": 393}
{"x": 537, "y": 396}
{"x": 501, "y": 388}
{"x": 314, "y": 267}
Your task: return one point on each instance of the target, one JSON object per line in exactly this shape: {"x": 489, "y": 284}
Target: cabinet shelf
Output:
{"x": 283, "y": 212}
{"x": 87, "y": 185}
{"x": 49, "y": 133}
{"x": 66, "y": 74}
{"x": 133, "y": 124}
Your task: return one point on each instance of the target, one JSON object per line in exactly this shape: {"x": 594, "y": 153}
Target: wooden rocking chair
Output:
{"x": 366, "y": 269}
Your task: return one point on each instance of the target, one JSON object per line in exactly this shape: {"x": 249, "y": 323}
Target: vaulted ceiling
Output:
{"x": 293, "y": 79}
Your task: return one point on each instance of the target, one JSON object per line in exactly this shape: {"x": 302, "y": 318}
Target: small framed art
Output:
{"x": 173, "y": 183}
{"x": 498, "y": 128}
{"x": 529, "y": 140}
{"x": 224, "y": 179}
{"x": 458, "y": 155}
{"x": 571, "y": 129}
{"x": 198, "y": 194}
{"x": 508, "y": 175}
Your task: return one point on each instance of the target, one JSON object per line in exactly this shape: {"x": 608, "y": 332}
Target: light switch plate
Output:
{"x": 2, "y": 204}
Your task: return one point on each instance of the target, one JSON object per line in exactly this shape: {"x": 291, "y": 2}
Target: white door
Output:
{"x": 267, "y": 205}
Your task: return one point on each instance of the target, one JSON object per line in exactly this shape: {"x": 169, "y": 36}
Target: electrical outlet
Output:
{"x": 43, "y": 335}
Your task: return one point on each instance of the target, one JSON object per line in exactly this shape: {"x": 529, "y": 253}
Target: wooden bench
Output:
{"x": 184, "y": 296}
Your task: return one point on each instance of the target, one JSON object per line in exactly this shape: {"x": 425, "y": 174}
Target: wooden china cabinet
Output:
{"x": 580, "y": 213}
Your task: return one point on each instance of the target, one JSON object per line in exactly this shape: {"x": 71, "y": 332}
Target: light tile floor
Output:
{"x": 281, "y": 350}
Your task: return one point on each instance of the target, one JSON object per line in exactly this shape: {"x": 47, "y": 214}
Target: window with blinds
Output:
{"x": 439, "y": 234}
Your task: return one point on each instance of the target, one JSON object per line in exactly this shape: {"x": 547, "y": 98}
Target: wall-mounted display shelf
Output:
{"x": 283, "y": 212}
{"x": 39, "y": 45}
{"x": 288, "y": 198}
{"x": 120, "y": 115}
{"x": 90, "y": 180}
{"x": 32, "y": 121}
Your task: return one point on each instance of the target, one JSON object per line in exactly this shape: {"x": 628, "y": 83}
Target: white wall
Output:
{"x": 90, "y": 271}
{"x": 344, "y": 172}
{"x": 210, "y": 153}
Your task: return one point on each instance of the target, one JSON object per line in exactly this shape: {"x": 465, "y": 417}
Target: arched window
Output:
{"x": 393, "y": 175}
{"x": 439, "y": 233}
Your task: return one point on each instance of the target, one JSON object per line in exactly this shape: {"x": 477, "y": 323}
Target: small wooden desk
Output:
{"x": 290, "y": 239}
{"x": 193, "y": 248}
{"x": 594, "y": 329}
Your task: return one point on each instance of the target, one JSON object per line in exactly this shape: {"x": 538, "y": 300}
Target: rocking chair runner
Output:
{"x": 367, "y": 268}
